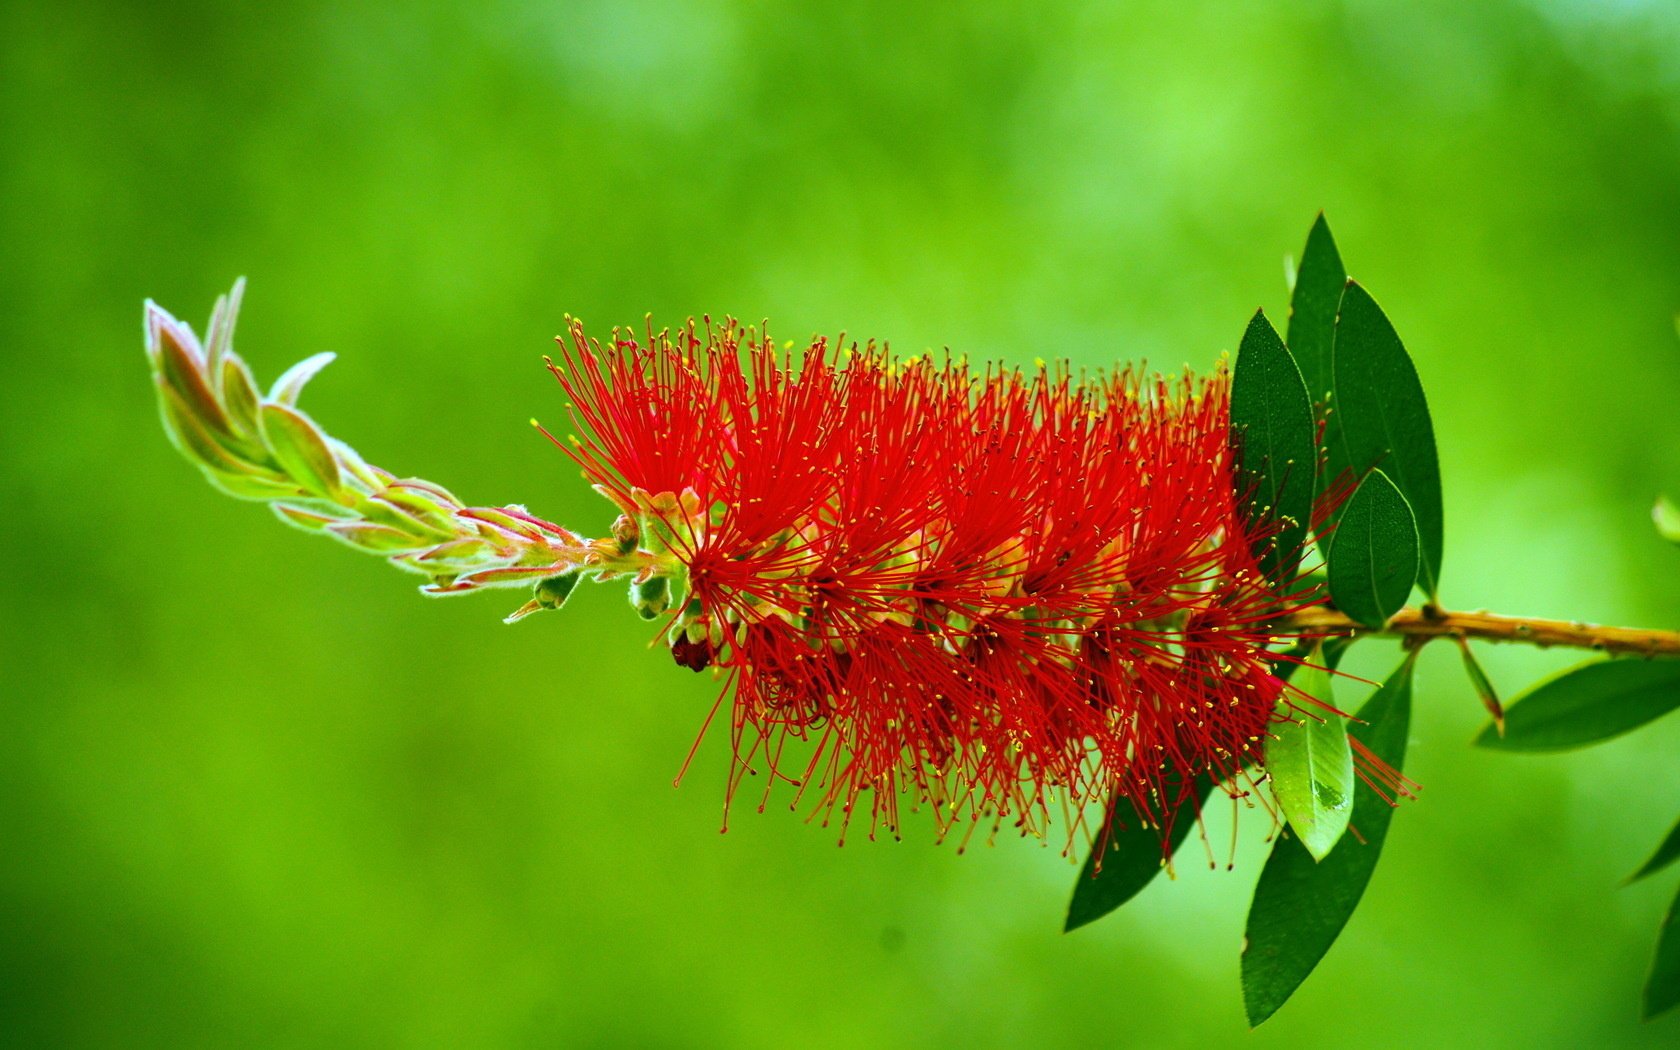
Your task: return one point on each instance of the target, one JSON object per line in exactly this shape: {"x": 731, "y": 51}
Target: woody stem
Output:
{"x": 1430, "y": 622}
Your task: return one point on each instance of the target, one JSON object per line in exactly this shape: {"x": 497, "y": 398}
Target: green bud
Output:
{"x": 626, "y": 532}
{"x": 651, "y": 597}
{"x": 552, "y": 592}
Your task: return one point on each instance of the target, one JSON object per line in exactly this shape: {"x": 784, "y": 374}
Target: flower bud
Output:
{"x": 552, "y": 592}
{"x": 626, "y": 533}
{"x": 651, "y": 596}
{"x": 696, "y": 655}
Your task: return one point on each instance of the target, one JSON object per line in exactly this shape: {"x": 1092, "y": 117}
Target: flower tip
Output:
{"x": 523, "y": 611}
{"x": 156, "y": 320}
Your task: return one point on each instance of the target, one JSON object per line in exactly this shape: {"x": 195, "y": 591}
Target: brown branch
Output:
{"x": 1426, "y": 623}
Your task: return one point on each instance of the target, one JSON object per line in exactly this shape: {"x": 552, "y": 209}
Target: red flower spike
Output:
{"x": 999, "y": 594}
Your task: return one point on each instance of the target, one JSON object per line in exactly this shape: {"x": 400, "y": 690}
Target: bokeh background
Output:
{"x": 254, "y": 792}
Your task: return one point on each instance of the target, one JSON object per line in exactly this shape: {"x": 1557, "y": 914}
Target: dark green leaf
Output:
{"x": 1662, "y": 988}
{"x": 1373, "y": 557}
{"x": 1132, "y": 860}
{"x": 1590, "y": 703}
{"x": 1311, "y": 766}
{"x": 1312, "y": 309}
{"x": 1378, "y": 418}
{"x": 1332, "y": 649}
{"x": 1666, "y": 854}
{"x": 1480, "y": 681}
{"x": 1300, "y": 906}
{"x": 1276, "y": 438}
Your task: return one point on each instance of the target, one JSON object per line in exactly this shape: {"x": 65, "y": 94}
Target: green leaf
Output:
{"x": 301, "y": 450}
{"x": 419, "y": 504}
{"x": 1666, "y": 854}
{"x": 1593, "y": 702}
{"x": 1132, "y": 860}
{"x": 218, "y": 339}
{"x": 1300, "y": 906}
{"x": 384, "y": 513}
{"x": 179, "y": 361}
{"x": 188, "y": 434}
{"x": 1667, "y": 517}
{"x": 355, "y": 467}
{"x": 1378, "y": 418}
{"x": 1662, "y": 988}
{"x": 455, "y": 556}
{"x": 1373, "y": 557}
{"x": 239, "y": 396}
{"x": 309, "y": 519}
{"x": 1312, "y": 308}
{"x": 1276, "y": 439}
{"x": 1480, "y": 681}
{"x": 246, "y": 485}
{"x": 381, "y": 539}
{"x": 1311, "y": 765}
{"x": 289, "y": 387}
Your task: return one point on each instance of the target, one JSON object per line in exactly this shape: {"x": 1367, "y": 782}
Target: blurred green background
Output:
{"x": 254, "y": 792}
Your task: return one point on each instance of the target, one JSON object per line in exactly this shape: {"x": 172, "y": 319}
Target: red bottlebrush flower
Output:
{"x": 995, "y": 592}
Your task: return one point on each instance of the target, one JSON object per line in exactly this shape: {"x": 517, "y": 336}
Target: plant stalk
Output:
{"x": 1422, "y": 624}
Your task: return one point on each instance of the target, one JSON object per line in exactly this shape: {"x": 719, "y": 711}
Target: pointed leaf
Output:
{"x": 1666, "y": 854}
{"x": 1300, "y": 906}
{"x": 504, "y": 522}
{"x": 1132, "y": 859}
{"x": 1480, "y": 682}
{"x": 1373, "y": 553}
{"x": 1276, "y": 439}
{"x": 425, "y": 488}
{"x": 511, "y": 574}
{"x": 1312, "y": 308}
{"x": 420, "y": 504}
{"x": 308, "y": 515}
{"x": 246, "y": 485}
{"x": 351, "y": 462}
{"x": 218, "y": 339}
{"x": 365, "y": 535}
{"x": 301, "y": 450}
{"x": 382, "y": 512}
{"x": 1593, "y": 702}
{"x": 240, "y": 397}
{"x": 210, "y": 451}
{"x": 455, "y": 556}
{"x": 161, "y": 326}
{"x": 1311, "y": 766}
{"x": 182, "y": 370}
{"x": 1379, "y": 418}
{"x": 1662, "y": 987}
{"x": 290, "y": 385}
